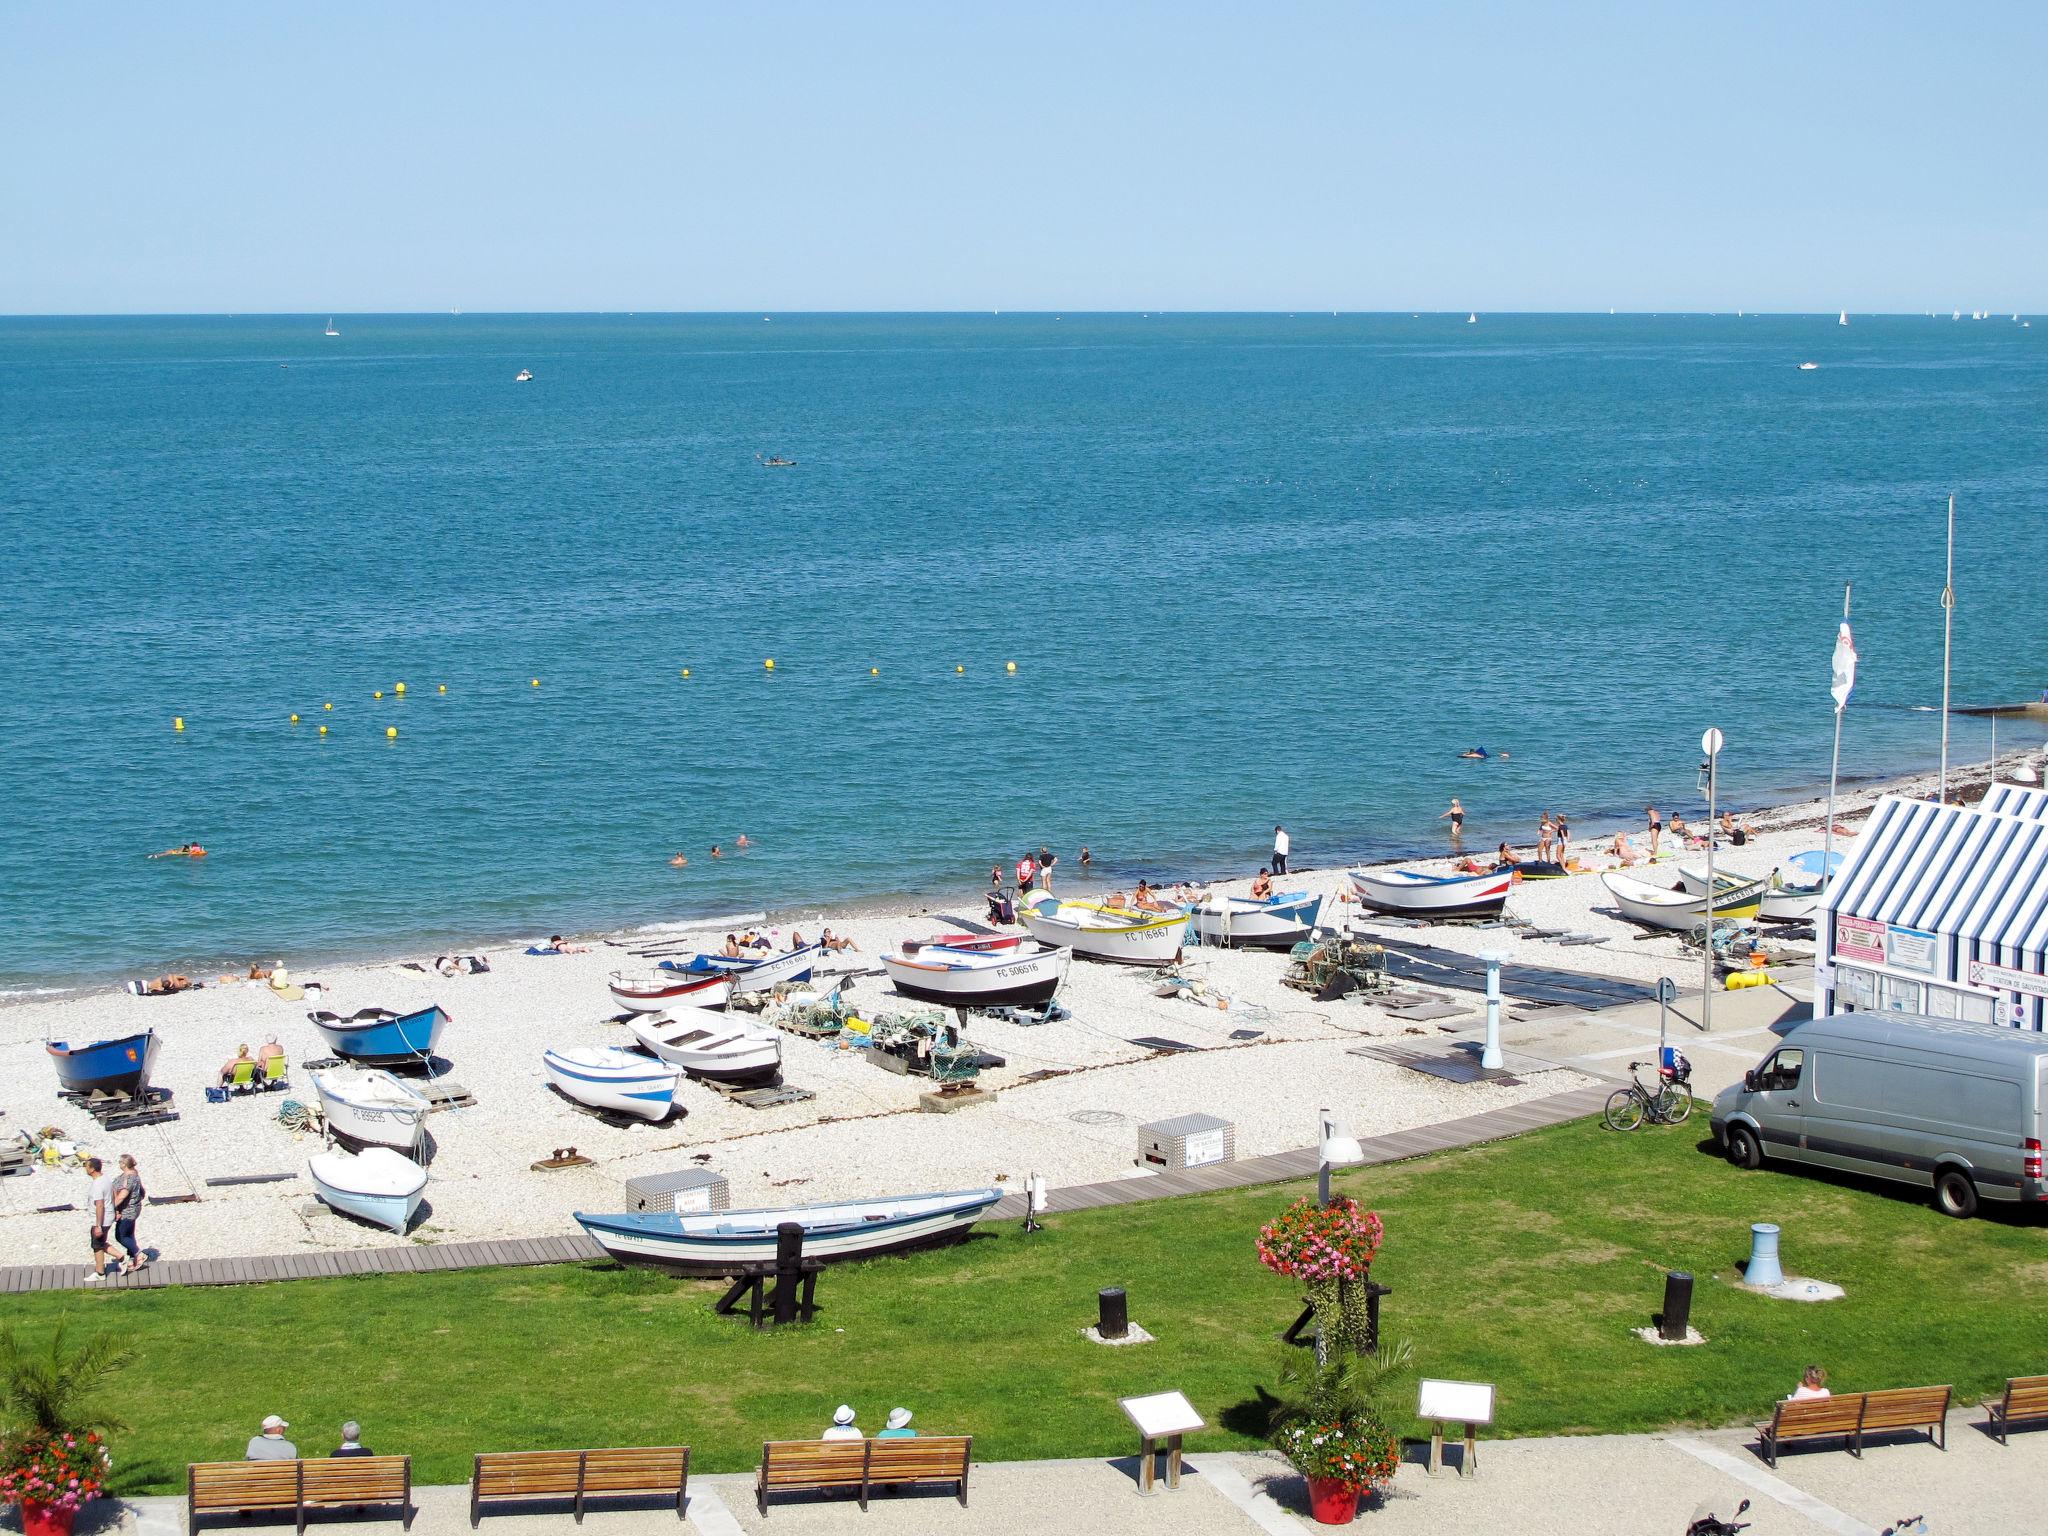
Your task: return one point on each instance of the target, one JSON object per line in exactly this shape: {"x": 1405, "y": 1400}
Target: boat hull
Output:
{"x": 760, "y": 975}
{"x": 1791, "y": 903}
{"x": 1408, "y": 894}
{"x": 1654, "y": 907}
{"x": 726, "y": 1048}
{"x": 623, "y": 1082}
{"x": 398, "y": 1121}
{"x": 120, "y": 1066}
{"x": 376, "y": 1037}
{"x": 1087, "y": 932}
{"x": 393, "y": 1207}
{"x": 1027, "y": 981}
{"x": 662, "y": 1240}
{"x": 684, "y": 990}
{"x": 1242, "y": 923}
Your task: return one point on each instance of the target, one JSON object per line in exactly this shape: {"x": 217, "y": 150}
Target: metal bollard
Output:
{"x": 1763, "y": 1255}
{"x": 789, "y": 1254}
{"x": 1113, "y": 1313}
{"x": 1677, "y": 1306}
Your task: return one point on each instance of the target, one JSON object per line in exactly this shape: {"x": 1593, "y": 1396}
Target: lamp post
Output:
{"x": 1490, "y": 1058}
{"x": 1711, "y": 744}
{"x": 1334, "y": 1149}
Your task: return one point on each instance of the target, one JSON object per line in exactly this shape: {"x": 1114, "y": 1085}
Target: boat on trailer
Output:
{"x": 1411, "y": 893}
{"x": 708, "y": 1044}
{"x": 608, "y": 1077}
{"x": 1102, "y": 932}
{"x": 377, "y": 1037}
{"x": 1012, "y": 977}
{"x": 725, "y": 1242}
{"x": 376, "y": 1185}
{"x": 752, "y": 975}
{"x": 371, "y": 1108}
{"x": 1655, "y": 906}
{"x": 119, "y": 1067}
{"x": 656, "y": 990}
{"x": 1277, "y": 922}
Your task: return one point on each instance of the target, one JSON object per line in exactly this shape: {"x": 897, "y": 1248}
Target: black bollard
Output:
{"x": 1113, "y": 1313}
{"x": 789, "y": 1254}
{"x": 1677, "y": 1305}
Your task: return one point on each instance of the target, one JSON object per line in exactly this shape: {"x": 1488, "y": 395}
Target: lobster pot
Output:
{"x": 688, "y": 1191}
{"x": 1187, "y": 1141}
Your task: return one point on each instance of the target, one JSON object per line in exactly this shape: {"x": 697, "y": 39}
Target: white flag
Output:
{"x": 1845, "y": 666}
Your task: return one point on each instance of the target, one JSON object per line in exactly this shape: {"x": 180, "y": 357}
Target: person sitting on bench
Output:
{"x": 271, "y": 1445}
{"x": 352, "y": 1441}
{"x": 842, "y": 1425}
{"x": 1814, "y": 1383}
{"x": 899, "y": 1426}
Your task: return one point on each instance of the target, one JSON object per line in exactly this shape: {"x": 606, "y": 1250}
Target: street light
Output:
{"x": 1711, "y": 744}
{"x": 1490, "y": 1058}
{"x": 1336, "y": 1149}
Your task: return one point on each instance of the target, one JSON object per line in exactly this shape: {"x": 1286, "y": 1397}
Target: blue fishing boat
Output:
{"x": 106, "y": 1066}
{"x": 1275, "y": 922}
{"x": 377, "y": 1037}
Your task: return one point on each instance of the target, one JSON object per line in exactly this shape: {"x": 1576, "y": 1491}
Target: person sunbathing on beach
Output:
{"x": 752, "y": 939}
{"x": 835, "y": 944}
{"x": 270, "y": 1060}
{"x": 1144, "y": 900}
{"x": 1738, "y": 835}
{"x": 1507, "y": 858}
{"x": 732, "y": 948}
{"x": 1262, "y": 885}
{"x": 796, "y": 939}
{"x": 562, "y": 946}
{"x": 186, "y": 851}
{"x": 228, "y": 1067}
{"x": 163, "y": 986}
{"x": 1623, "y": 849}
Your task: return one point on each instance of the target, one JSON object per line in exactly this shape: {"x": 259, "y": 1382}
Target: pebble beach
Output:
{"x": 1068, "y": 1101}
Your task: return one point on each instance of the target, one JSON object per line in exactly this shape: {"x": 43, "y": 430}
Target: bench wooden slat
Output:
{"x": 1905, "y": 1407}
{"x": 2025, "y": 1399}
{"x": 614, "y": 1470}
{"x": 803, "y": 1465}
{"x": 219, "y": 1487}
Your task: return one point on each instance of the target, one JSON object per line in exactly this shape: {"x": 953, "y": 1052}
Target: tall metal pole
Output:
{"x": 1711, "y": 744}
{"x": 1827, "y": 856}
{"x": 1948, "y": 623}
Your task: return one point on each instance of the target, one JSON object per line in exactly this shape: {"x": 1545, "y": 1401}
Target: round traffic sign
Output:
{"x": 1712, "y": 742}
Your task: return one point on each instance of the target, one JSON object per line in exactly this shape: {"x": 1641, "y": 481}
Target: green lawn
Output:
{"x": 1525, "y": 1263}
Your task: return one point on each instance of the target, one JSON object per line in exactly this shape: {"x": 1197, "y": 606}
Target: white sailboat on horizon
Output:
{"x": 1844, "y": 318}
{"x": 1473, "y": 318}
{"x": 330, "y": 327}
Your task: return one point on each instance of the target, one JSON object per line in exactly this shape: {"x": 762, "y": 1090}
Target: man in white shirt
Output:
{"x": 100, "y": 1203}
{"x": 1280, "y": 845}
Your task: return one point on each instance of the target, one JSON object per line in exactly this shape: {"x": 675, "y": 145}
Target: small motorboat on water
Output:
{"x": 377, "y": 1037}
{"x": 751, "y": 974}
{"x": 375, "y": 1185}
{"x": 1654, "y": 906}
{"x": 708, "y": 1044}
{"x": 1276, "y": 922}
{"x": 371, "y": 1108}
{"x": 652, "y": 991}
{"x": 1102, "y": 932}
{"x": 1011, "y": 977}
{"x": 523, "y": 376}
{"x": 119, "y": 1066}
{"x": 607, "y": 1077}
{"x": 720, "y": 1242}
{"x": 1411, "y": 893}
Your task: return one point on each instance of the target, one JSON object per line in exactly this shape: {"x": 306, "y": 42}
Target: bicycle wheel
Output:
{"x": 1673, "y": 1104}
{"x": 1624, "y": 1109}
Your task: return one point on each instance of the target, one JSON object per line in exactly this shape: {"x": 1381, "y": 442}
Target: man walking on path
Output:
{"x": 100, "y": 1205}
{"x": 1279, "y": 850}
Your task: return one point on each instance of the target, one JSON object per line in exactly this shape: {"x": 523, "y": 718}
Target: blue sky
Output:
{"x": 512, "y": 156}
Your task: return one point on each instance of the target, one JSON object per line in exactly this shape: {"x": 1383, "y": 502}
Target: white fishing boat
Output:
{"x": 377, "y": 1185}
{"x": 1694, "y": 879}
{"x": 1655, "y": 906}
{"x": 1012, "y": 977}
{"x": 607, "y": 1077}
{"x": 653, "y": 991}
{"x": 1796, "y": 887}
{"x": 331, "y": 331}
{"x": 523, "y": 376}
{"x": 1808, "y": 367}
{"x": 371, "y": 1108}
{"x": 1251, "y": 922}
{"x": 754, "y": 973}
{"x": 707, "y": 1044}
{"x": 1102, "y": 932}
{"x": 723, "y": 1242}
{"x": 1411, "y": 893}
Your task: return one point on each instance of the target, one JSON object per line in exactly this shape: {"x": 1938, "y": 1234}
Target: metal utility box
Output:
{"x": 1187, "y": 1141}
{"x": 688, "y": 1191}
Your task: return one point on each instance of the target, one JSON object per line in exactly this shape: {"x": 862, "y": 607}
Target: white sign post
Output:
{"x": 1162, "y": 1416}
{"x": 1457, "y": 1402}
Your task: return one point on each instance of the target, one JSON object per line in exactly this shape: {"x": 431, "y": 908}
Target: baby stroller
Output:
{"x": 1002, "y": 909}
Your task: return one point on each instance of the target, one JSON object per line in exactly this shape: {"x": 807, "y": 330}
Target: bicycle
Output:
{"x": 1706, "y": 1523}
{"x": 1669, "y": 1104}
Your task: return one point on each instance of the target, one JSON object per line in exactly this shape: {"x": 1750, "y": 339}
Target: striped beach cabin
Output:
{"x": 1942, "y": 909}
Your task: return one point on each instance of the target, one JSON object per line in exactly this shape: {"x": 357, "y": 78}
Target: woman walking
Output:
{"x": 128, "y": 1198}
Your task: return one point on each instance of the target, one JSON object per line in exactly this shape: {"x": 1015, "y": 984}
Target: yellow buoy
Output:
{"x": 769, "y": 664}
{"x": 323, "y": 730}
{"x": 391, "y": 732}
{"x": 327, "y": 706}
{"x": 959, "y": 669}
{"x": 874, "y": 671}
{"x": 536, "y": 682}
{"x": 686, "y": 671}
{"x": 177, "y": 722}
{"x": 295, "y": 719}
{"x": 444, "y": 687}
{"x": 398, "y": 687}
{"x": 378, "y": 694}
{"x": 1009, "y": 666}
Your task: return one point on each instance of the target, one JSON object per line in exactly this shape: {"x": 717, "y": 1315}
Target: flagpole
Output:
{"x": 1827, "y": 857}
{"x": 1948, "y": 622}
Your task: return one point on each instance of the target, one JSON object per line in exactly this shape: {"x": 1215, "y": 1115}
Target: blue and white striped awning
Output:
{"x": 2016, "y": 800}
{"x": 1967, "y": 874}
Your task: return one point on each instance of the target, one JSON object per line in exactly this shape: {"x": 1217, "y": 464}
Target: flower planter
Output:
{"x": 1331, "y": 1502}
{"x": 46, "y": 1520}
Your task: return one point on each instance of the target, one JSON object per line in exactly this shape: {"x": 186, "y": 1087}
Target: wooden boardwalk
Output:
{"x": 578, "y": 1248}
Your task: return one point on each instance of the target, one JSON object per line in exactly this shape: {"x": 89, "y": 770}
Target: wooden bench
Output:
{"x": 2025, "y": 1400}
{"x": 244, "y": 1487}
{"x": 618, "y": 1471}
{"x": 1852, "y": 1415}
{"x": 793, "y": 1465}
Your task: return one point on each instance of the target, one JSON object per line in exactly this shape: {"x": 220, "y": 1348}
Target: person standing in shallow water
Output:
{"x": 1280, "y": 847}
{"x": 1456, "y": 817}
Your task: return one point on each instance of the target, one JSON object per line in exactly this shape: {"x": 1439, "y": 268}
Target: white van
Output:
{"x": 1952, "y": 1107}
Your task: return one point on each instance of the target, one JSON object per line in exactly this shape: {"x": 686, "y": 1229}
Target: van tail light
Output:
{"x": 2031, "y": 1164}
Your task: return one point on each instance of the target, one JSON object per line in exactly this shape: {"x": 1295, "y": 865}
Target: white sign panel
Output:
{"x": 1910, "y": 949}
{"x": 1163, "y": 1413}
{"x": 1984, "y": 974}
{"x": 1205, "y": 1147}
{"x": 1463, "y": 1402}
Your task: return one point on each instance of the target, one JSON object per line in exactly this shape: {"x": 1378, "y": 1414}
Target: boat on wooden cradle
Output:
{"x": 725, "y": 1242}
{"x": 1654, "y": 906}
{"x": 1795, "y": 888}
{"x": 751, "y": 975}
{"x": 371, "y": 1108}
{"x": 120, "y": 1066}
{"x": 1013, "y": 977}
{"x": 377, "y": 1037}
{"x": 610, "y": 1078}
{"x": 1411, "y": 893}
{"x": 708, "y": 1044}
{"x": 1103, "y": 932}
{"x": 1277, "y": 922}
{"x": 653, "y": 991}
{"x": 376, "y": 1185}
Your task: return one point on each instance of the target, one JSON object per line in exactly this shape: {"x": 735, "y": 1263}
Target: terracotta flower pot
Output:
{"x": 1330, "y": 1502}
{"x": 46, "y": 1520}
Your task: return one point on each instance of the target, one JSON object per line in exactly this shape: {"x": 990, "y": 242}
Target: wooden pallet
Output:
{"x": 758, "y": 1095}
{"x": 121, "y": 1111}
{"x": 440, "y": 1093}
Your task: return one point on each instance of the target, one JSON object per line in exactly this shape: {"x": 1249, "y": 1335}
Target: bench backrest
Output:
{"x": 509, "y": 1474}
{"x": 813, "y": 1463}
{"x": 1837, "y": 1415}
{"x": 1904, "y": 1407}
{"x": 244, "y": 1484}
{"x": 357, "y": 1479}
{"x": 627, "y": 1469}
{"x": 918, "y": 1457}
{"x": 635, "y": 1469}
{"x": 2027, "y": 1395}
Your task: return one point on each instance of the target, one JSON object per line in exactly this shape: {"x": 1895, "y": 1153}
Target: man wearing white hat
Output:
{"x": 842, "y": 1425}
{"x": 899, "y": 1426}
{"x": 271, "y": 1445}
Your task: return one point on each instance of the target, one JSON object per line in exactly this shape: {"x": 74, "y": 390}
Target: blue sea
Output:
{"x": 1250, "y": 569}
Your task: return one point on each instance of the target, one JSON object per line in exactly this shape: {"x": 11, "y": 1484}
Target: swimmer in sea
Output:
{"x": 740, "y": 841}
{"x": 678, "y": 861}
{"x": 1474, "y": 752}
{"x": 717, "y": 852}
{"x": 187, "y": 851}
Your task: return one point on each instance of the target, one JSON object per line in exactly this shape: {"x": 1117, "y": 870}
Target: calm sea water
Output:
{"x": 1250, "y": 569}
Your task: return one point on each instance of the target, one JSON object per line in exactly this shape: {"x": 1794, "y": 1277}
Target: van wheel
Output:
{"x": 1954, "y": 1193}
{"x": 1744, "y": 1151}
